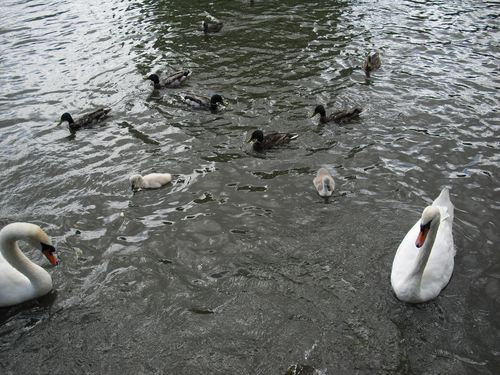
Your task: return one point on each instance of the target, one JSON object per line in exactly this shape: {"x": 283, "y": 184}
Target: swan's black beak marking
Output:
{"x": 424, "y": 229}
{"x": 50, "y": 253}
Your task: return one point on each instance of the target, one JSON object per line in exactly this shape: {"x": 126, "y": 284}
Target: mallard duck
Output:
{"x": 149, "y": 181}
{"x": 261, "y": 142}
{"x": 85, "y": 121}
{"x": 173, "y": 80}
{"x": 211, "y": 27}
{"x": 203, "y": 102}
{"x": 338, "y": 116}
{"x": 372, "y": 62}
{"x": 424, "y": 261}
{"x": 324, "y": 182}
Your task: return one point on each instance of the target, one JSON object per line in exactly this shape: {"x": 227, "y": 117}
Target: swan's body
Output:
{"x": 324, "y": 182}
{"x": 173, "y": 80}
{"x": 20, "y": 279}
{"x": 424, "y": 261}
{"x": 149, "y": 181}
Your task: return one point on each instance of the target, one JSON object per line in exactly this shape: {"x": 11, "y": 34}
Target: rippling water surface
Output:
{"x": 238, "y": 267}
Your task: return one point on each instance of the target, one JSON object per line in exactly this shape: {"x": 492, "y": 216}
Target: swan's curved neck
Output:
{"x": 16, "y": 258}
{"x": 425, "y": 252}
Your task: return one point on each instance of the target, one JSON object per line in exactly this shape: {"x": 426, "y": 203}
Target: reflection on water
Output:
{"x": 238, "y": 266}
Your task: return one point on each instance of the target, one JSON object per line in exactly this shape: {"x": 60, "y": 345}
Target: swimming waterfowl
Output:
{"x": 20, "y": 279}
{"x": 372, "y": 62}
{"x": 203, "y": 102}
{"x": 211, "y": 27}
{"x": 85, "y": 121}
{"x": 324, "y": 182}
{"x": 261, "y": 142}
{"x": 149, "y": 181}
{"x": 424, "y": 262}
{"x": 338, "y": 116}
{"x": 173, "y": 80}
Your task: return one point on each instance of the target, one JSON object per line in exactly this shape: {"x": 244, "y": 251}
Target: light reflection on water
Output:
{"x": 237, "y": 266}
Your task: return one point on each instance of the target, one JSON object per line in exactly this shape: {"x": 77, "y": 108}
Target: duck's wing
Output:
{"x": 275, "y": 139}
{"x": 345, "y": 114}
{"x": 196, "y": 101}
{"x": 176, "y": 78}
{"x": 100, "y": 115}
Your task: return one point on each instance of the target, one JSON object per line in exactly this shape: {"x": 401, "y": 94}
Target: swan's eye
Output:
{"x": 425, "y": 227}
{"x": 47, "y": 248}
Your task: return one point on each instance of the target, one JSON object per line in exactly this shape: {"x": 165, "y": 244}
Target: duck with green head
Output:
{"x": 85, "y": 121}
{"x": 203, "y": 102}
{"x": 340, "y": 116}
{"x": 263, "y": 142}
{"x": 171, "y": 81}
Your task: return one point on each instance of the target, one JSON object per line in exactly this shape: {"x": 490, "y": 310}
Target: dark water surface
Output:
{"x": 238, "y": 267}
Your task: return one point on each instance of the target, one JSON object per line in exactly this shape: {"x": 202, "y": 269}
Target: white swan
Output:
{"x": 149, "y": 181}
{"x": 324, "y": 182}
{"x": 21, "y": 279}
{"x": 424, "y": 261}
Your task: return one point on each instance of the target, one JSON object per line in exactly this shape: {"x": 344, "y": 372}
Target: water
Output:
{"x": 238, "y": 267}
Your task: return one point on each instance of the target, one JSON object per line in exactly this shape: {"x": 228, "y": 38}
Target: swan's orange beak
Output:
{"x": 422, "y": 236}
{"x": 51, "y": 256}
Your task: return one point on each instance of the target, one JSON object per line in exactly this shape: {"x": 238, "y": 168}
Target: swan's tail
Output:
{"x": 444, "y": 201}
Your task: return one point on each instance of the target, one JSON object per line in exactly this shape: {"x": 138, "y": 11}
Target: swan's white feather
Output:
{"x": 439, "y": 266}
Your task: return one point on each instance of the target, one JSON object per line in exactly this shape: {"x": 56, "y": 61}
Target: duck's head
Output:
{"x": 216, "y": 99}
{"x": 154, "y": 77}
{"x": 66, "y": 117}
{"x": 257, "y": 136}
{"x": 319, "y": 109}
{"x": 430, "y": 218}
{"x": 136, "y": 182}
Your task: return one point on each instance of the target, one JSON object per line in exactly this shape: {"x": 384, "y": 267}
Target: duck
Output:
{"x": 337, "y": 116}
{"x": 372, "y": 62}
{"x": 173, "y": 80}
{"x": 324, "y": 182}
{"x": 202, "y": 102}
{"x": 149, "y": 181}
{"x": 211, "y": 27}
{"x": 22, "y": 280}
{"x": 261, "y": 142}
{"x": 424, "y": 260}
{"x": 85, "y": 121}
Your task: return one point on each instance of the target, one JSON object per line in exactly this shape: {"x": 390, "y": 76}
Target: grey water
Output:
{"x": 238, "y": 267}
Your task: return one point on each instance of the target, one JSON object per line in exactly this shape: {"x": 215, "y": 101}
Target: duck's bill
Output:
{"x": 250, "y": 140}
{"x": 51, "y": 257}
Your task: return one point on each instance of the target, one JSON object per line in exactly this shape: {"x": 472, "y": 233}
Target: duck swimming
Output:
{"x": 261, "y": 142}
{"x": 211, "y": 27}
{"x": 338, "y": 116}
{"x": 173, "y": 80}
{"x": 20, "y": 279}
{"x": 85, "y": 121}
{"x": 203, "y": 102}
{"x": 149, "y": 181}
{"x": 372, "y": 62}
{"x": 324, "y": 182}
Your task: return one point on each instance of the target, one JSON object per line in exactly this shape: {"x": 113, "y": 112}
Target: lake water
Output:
{"x": 238, "y": 267}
